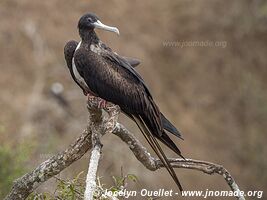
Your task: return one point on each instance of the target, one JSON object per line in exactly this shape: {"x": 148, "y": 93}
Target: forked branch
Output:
{"x": 26, "y": 184}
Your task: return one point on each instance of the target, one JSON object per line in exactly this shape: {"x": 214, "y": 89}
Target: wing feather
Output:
{"x": 114, "y": 80}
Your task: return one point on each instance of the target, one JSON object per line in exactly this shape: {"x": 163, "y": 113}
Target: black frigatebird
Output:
{"x": 103, "y": 73}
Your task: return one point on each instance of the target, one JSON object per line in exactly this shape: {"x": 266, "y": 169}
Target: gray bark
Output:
{"x": 97, "y": 124}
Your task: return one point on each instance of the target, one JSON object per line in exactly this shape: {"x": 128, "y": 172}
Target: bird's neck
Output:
{"x": 88, "y": 36}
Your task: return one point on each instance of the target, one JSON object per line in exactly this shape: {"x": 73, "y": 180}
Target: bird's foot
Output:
{"x": 102, "y": 104}
{"x": 98, "y": 102}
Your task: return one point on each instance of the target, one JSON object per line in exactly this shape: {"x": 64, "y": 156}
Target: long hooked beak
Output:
{"x": 98, "y": 24}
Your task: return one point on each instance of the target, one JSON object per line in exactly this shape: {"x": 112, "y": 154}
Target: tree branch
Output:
{"x": 109, "y": 124}
{"x": 93, "y": 164}
{"x": 153, "y": 164}
{"x": 90, "y": 185}
{"x": 29, "y": 182}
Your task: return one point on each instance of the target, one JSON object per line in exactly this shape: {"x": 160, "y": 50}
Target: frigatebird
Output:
{"x": 103, "y": 73}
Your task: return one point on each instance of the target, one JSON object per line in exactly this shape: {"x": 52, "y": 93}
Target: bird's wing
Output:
{"x": 169, "y": 127}
{"x": 132, "y": 61}
{"x": 118, "y": 61}
{"x": 114, "y": 80}
{"x": 69, "y": 51}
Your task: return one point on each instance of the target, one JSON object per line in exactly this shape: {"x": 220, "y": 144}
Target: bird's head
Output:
{"x": 90, "y": 21}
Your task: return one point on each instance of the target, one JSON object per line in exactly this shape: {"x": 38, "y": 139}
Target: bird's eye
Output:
{"x": 89, "y": 20}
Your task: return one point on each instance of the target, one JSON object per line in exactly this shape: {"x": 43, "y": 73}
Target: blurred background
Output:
{"x": 214, "y": 93}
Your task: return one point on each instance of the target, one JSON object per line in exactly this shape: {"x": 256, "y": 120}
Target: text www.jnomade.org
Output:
{"x": 195, "y": 43}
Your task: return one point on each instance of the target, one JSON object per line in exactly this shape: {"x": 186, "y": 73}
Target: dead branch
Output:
{"x": 97, "y": 124}
{"x": 153, "y": 164}
{"x": 109, "y": 125}
{"x": 90, "y": 184}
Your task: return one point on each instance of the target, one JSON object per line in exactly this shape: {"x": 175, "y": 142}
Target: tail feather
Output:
{"x": 161, "y": 135}
{"x": 156, "y": 147}
{"x": 165, "y": 139}
{"x": 167, "y": 125}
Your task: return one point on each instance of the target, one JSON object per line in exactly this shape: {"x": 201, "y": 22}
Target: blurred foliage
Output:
{"x": 66, "y": 189}
{"x": 121, "y": 181}
{"x": 74, "y": 189}
{"x": 12, "y": 166}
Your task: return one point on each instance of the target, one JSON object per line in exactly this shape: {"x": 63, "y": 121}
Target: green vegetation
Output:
{"x": 12, "y": 166}
{"x": 74, "y": 189}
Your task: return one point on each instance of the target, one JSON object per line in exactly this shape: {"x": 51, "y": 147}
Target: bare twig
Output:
{"x": 25, "y": 185}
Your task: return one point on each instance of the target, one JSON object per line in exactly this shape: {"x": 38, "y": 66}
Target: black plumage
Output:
{"x": 100, "y": 71}
{"x": 69, "y": 50}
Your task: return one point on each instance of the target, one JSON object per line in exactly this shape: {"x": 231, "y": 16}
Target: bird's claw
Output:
{"x": 102, "y": 104}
